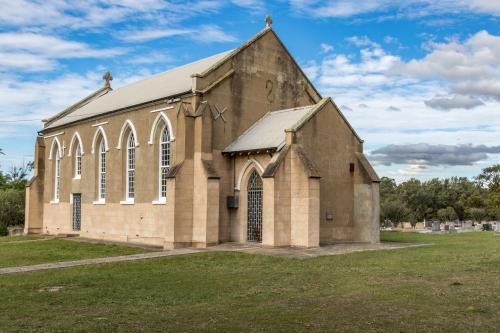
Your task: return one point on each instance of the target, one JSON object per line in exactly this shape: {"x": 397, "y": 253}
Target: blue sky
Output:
{"x": 418, "y": 79}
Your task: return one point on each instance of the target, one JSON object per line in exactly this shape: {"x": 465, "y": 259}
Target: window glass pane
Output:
{"x": 164, "y": 161}
{"x": 102, "y": 170}
{"x": 78, "y": 161}
{"x": 131, "y": 166}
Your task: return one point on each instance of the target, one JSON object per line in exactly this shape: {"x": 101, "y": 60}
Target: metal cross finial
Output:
{"x": 107, "y": 79}
{"x": 269, "y": 21}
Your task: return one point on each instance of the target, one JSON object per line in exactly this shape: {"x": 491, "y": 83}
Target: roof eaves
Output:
{"x": 124, "y": 109}
{"x": 315, "y": 110}
{"x": 347, "y": 122}
{"x": 251, "y": 151}
{"x": 298, "y": 125}
{"x": 368, "y": 167}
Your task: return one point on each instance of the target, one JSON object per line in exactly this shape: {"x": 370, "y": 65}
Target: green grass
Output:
{"x": 8, "y": 239}
{"x": 451, "y": 286}
{"x": 21, "y": 251}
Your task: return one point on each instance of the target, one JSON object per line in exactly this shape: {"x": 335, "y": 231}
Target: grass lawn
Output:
{"x": 8, "y": 239}
{"x": 30, "y": 250}
{"x": 452, "y": 286}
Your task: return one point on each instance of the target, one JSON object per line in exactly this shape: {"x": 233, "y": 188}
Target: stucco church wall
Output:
{"x": 332, "y": 146}
{"x": 265, "y": 79}
{"x": 141, "y": 221}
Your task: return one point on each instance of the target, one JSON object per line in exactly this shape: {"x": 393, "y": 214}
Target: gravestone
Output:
{"x": 420, "y": 226}
{"x": 467, "y": 226}
{"x": 451, "y": 228}
{"x": 436, "y": 226}
{"x": 16, "y": 231}
{"x": 407, "y": 225}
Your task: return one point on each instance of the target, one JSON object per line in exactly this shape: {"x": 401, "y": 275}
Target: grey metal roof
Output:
{"x": 170, "y": 83}
{"x": 269, "y": 131}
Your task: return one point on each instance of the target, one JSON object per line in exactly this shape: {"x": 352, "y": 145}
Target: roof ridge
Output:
{"x": 234, "y": 52}
{"x": 293, "y": 109}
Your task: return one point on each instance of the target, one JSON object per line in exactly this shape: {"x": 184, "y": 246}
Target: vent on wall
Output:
{"x": 232, "y": 201}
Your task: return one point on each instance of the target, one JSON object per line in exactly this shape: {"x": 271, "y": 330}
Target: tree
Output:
{"x": 447, "y": 214}
{"x": 493, "y": 205}
{"x": 477, "y": 214}
{"x": 394, "y": 210}
{"x": 490, "y": 178}
{"x": 17, "y": 176}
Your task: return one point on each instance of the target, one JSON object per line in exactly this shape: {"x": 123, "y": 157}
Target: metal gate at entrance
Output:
{"x": 77, "y": 211}
{"x": 254, "y": 191}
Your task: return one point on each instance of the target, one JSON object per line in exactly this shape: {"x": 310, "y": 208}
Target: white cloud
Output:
{"x": 339, "y": 8}
{"x": 66, "y": 14}
{"x": 455, "y": 102}
{"x": 326, "y": 48}
{"x": 379, "y": 83}
{"x": 36, "y": 52}
{"x": 151, "y": 34}
{"x": 403, "y": 9}
{"x": 151, "y": 58}
{"x": 212, "y": 33}
{"x": 205, "y": 34}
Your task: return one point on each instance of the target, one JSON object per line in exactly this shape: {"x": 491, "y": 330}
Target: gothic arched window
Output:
{"x": 130, "y": 187}
{"x": 164, "y": 162}
{"x": 102, "y": 170}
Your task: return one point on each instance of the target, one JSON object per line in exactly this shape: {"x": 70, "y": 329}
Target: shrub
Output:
{"x": 12, "y": 207}
{"x": 4, "y": 231}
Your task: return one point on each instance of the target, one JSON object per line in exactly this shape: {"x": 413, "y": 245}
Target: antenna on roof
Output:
{"x": 107, "y": 79}
{"x": 268, "y": 21}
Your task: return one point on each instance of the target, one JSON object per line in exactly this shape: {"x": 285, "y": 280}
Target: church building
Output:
{"x": 236, "y": 147}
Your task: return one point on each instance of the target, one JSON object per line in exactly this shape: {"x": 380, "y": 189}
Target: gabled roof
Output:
{"x": 268, "y": 133}
{"x": 174, "y": 82}
{"x": 170, "y": 83}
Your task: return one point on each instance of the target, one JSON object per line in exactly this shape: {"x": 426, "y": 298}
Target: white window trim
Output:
{"x": 159, "y": 117}
{"x": 160, "y": 197}
{"x": 128, "y": 123}
{"x": 100, "y": 130}
{"x": 161, "y": 201}
{"x": 99, "y": 169}
{"x": 76, "y": 138}
{"x": 57, "y": 178}
{"x": 130, "y": 201}
{"x": 78, "y": 175}
{"x": 127, "y": 169}
{"x": 55, "y": 201}
{"x": 99, "y": 202}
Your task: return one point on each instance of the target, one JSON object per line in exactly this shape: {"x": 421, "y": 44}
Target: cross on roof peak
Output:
{"x": 107, "y": 79}
{"x": 268, "y": 21}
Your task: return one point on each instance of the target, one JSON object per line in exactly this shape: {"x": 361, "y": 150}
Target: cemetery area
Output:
{"x": 456, "y": 204}
{"x": 449, "y": 284}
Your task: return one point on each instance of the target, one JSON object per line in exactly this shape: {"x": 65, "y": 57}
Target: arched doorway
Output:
{"x": 254, "y": 207}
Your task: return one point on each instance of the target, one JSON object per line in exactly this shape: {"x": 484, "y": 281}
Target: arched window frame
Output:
{"x": 57, "y": 176}
{"x": 130, "y": 167}
{"x": 101, "y": 187}
{"x": 164, "y": 161}
{"x": 78, "y": 161}
{"x": 57, "y": 156}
